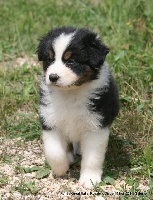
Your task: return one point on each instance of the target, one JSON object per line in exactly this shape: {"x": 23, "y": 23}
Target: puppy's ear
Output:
{"x": 40, "y": 49}
{"x": 97, "y": 51}
{"x": 98, "y": 45}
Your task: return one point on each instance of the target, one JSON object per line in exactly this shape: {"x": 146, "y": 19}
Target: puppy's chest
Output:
{"x": 69, "y": 109}
{"x": 71, "y": 114}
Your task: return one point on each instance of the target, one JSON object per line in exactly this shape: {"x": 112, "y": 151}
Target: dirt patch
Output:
{"x": 18, "y": 154}
{"x": 20, "y": 61}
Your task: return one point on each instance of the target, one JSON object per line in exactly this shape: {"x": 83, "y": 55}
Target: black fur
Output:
{"x": 106, "y": 103}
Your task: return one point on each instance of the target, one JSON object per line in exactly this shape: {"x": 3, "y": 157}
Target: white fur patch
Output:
{"x": 61, "y": 43}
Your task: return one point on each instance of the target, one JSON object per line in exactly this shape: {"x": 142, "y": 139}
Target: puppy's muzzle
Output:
{"x": 53, "y": 78}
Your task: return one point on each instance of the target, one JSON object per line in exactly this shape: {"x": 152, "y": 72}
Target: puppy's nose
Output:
{"x": 53, "y": 77}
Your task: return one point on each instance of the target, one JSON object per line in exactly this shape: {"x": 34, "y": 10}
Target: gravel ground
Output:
{"x": 17, "y": 154}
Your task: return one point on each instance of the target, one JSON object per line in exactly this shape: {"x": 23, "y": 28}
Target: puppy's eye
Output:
{"x": 70, "y": 61}
{"x": 50, "y": 59}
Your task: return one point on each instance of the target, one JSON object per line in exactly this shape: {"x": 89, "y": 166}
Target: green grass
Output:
{"x": 127, "y": 28}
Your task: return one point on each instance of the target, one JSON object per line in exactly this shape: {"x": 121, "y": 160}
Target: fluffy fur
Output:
{"x": 78, "y": 100}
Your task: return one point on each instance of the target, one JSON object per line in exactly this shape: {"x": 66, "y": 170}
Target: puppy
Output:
{"x": 78, "y": 100}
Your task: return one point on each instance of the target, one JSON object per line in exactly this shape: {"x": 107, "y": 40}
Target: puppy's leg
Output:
{"x": 55, "y": 147}
{"x": 93, "y": 148}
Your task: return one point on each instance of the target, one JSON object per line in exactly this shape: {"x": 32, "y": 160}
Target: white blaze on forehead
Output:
{"x": 61, "y": 43}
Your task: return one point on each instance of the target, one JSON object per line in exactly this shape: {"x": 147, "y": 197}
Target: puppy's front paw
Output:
{"x": 89, "y": 179}
{"x": 59, "y": 168}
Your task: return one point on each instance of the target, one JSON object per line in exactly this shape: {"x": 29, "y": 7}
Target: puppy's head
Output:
{"x": 71, "y": 57}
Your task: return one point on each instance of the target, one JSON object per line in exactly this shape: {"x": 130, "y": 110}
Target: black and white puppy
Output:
{"x": 78, "y": 100}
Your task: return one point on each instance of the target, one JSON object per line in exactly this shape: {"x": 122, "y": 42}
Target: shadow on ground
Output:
{"x": 118, "y": 155}
{"x": 117, "y": 158}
